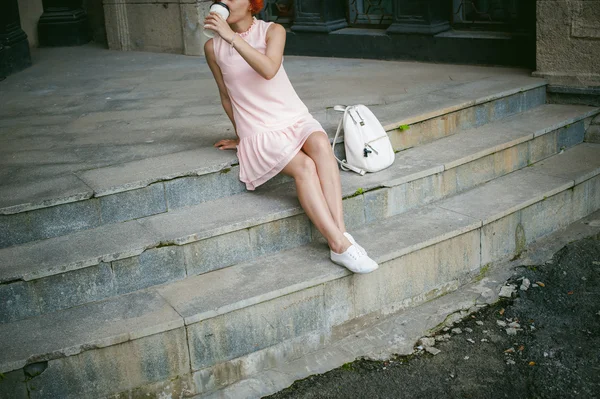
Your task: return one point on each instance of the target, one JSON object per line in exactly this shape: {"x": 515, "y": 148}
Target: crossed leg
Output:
{"x": 317, "y": 178}
{"x": 318, "y": 148}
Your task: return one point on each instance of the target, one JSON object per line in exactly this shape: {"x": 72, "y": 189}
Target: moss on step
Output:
{"x": 482, "y": 272}
{"x": 358, "y": 192}
{"x": 347, "y": 366}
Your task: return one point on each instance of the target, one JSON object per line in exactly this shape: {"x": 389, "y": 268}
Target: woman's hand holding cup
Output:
{"x": 216, "y": 21}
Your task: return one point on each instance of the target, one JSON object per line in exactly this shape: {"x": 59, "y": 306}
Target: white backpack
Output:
{"x": 368, "y": 147}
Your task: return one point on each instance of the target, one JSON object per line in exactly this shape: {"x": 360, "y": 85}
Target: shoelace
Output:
{"x": 359, "y": 252}
{"x": 360, "y": 249}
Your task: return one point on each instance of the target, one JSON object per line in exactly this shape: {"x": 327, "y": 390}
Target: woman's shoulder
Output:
{"x": 267, "y": 25}
{"x": 273, "y": 28}
{"x": 209, "y": 51}
{"x": 209, "y": 48}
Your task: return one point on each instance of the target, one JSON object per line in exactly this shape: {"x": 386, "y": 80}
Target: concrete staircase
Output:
{"x": 170, "y": 279}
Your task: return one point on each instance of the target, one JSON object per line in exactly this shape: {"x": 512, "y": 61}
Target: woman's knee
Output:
{"x": 307, "y": 167}
{"x": 319, "y": 149}
{"x": 317, "y": 145}
{"x": 301, "y": 167}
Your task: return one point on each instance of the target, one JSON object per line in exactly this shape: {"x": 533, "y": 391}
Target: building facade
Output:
{"x": 558, "y": 39}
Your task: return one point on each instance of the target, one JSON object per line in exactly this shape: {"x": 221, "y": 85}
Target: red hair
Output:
{"x": 256, "y": 6}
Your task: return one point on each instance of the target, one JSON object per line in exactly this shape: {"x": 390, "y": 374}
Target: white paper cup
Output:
{"x": 222, "y": 10}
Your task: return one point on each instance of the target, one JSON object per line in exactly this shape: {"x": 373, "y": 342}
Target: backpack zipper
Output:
{"x": 377, "y": 138}
{"x": 374, "y": 150}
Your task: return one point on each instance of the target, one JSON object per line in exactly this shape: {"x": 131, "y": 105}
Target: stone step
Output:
{"x": 206, "y": 332}
{"x": 399, "y": 333}
{"x": 137, "y": 189}
{"x": 92, "y": 265}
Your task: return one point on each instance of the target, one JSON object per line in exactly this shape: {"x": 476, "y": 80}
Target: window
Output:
{"x": 370, "y": 13}
{"x": 485, "y": 11}
{"x": 280, "y": 11}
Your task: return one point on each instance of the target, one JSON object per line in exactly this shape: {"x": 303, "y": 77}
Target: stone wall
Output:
{"x": 30, "y": 12}
{"x": 95, "y": 13}
{"x": 592, "y": 134}
{"x": 171, "y": 26}
{"x": 568, "y": 42}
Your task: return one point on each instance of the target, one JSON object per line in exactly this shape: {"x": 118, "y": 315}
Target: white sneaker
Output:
{"x": 352, "y": 241}
{"x": 354, "y": 260}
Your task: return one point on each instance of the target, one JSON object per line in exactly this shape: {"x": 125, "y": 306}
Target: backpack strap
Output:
{"x": 343, "y": 164}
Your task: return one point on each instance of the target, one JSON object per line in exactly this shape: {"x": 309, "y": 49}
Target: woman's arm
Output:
{"x": 209, "y": 52}
{"x": 266, "y": 65}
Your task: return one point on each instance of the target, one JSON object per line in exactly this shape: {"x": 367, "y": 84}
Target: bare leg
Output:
{"x": 302, "y": 168}
{"x": 318, "y": 148}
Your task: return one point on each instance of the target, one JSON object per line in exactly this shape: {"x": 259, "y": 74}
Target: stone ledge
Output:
{"x": 54, "y": 191}
{"x": 472, "y": 34}
{"x": 579, "y": 164}
{"x": 138, "y": 174}
{"x": 485, "y": 90}
{"x": 469, "y": 145}
{"x": 486, "y": 202}
{"x": 97, "y": 325}
{"x": 567, "y": 79}
{"x": 308, "y": 266}
{"x": 564, "y": 94}
{"x": 588, "y": 90}
{"x": 373, "y": 341}
{"x": 204, "y": 297}
{"x": 193, "y": 224}
{"x": 76, "y": 251}
{"x": 143, "y": 317}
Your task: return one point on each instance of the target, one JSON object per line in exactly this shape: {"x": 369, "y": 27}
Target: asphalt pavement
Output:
{"x": 543, "y": 341}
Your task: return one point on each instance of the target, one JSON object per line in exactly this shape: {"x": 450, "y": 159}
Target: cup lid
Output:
{"x": 221, "y": 4}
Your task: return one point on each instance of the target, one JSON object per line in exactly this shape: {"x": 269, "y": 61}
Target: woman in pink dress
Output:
{"x": 276, "y": 133}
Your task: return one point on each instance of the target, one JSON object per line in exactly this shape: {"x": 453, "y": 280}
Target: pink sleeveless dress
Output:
{"x": 271, "y": 120}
